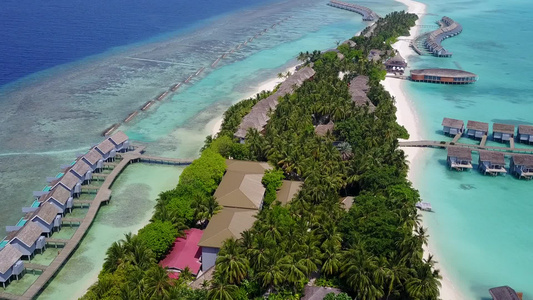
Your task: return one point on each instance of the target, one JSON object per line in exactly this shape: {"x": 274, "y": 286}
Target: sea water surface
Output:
{"x": 50, "y": 116}
{"x": 481, "y": 228}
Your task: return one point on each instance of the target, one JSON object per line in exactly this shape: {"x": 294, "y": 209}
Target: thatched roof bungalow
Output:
{"x": 358, "y": 89}
{"x": 502, "y": 132}
{"x": 10, "y": 263}
{"x": 452, "y": 126}
{"x": 492, "y": 162}
{"x": 525, "y": 134}
{"x": 28, "y": 239}
{"x": 477, "y": 129}
{"x": 522, "y": 166}
{"x": 504, "y": 293}
{"x": 459, "y": 158}
{"x": 323, "y": 129}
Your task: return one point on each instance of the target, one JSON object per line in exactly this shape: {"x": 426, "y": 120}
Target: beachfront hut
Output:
{"x": 396, "y": 64}
{"x": 459, "y": 158}
{"x": 522, "y": 166}
{"x": 185, "y": 253}
{"x": 94, "y": 159}
{"x": 525, "y": 134}
{"x": 81, "y": 170}
{"x": 60, "y": 197}
{"x": 452, "y": 126}
{"x": 289, "y": 190}
{"x": 358, "y": 89}
{"x": 492, "y": 162}
{"x": 477, "y": 129}
{"x": 504, "y": 293}
{"x": 28, "y": 239}
{"x": 323, "y": 129}
{"x": 107, "y": 150}
{"x": 47, "y": 217}
{"x": 120, "y": 140}
{"x": 374, "y": 55}
{"x": 10, "y": 263}
{"x": 228, "y": 223}
{"x": 318, "y": 292}
{"x": 70, "y": 182}
{"x": 502, "y": 132}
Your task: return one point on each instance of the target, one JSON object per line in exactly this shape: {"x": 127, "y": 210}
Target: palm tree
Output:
{"x": 206, "y": 207}
{"x": 271, "y": 275}
{"x": 294, "y": 271}
{"x": 115, "y": 257}
{"x": 358, "y": 270}
{"x": 157, "y": 282}
{"x": 231, "y": 265}
{"x": 221, "y": 291}
{"x": 345, "y": 150}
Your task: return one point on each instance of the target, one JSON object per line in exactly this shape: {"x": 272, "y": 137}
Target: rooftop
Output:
{"x": 503, "y": 293}
{"x": 460, "y": 153}
{"x": 525, "y": 129}
{"x": 523, "y": 160}
{"x": 443, "y": 73}
{"x": 69, "y": 180}
{"x": 93, "y": 156}
{"x": 105, "y": 146}
{"x": 493, "y": 157}
{"x": 29, "y": 233}
{"x": 504, "y": 128}
{"x": 454, "y": 123}
{"x": 185, "y": 252}
{"x": 240, "y": 190}
{"x": 396, "y": 61}
{"x": 475, "y": 125}
{"x": 358, "y": 89}
{"x": 80, "y": 168}
{"x": 47, "y": 212}
{"x": 288, "y": 190}
{"x": 251, "y": 167}
{"x": 347, "y": 202}
{"x": 118, "y": 138}
{"x": 318, "y": 292}
{"x": 323, "y": 129}
{"x": 228, "y": 223}
{"x": 9, "y": 255}
{"x": 59, "y": 193}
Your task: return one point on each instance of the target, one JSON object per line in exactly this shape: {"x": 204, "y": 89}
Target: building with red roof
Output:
{"x": 185, "y": 252}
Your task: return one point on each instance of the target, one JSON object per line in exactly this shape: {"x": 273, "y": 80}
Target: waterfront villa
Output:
{"x": 82, "y": 170}
{"x": 504, "y": 293}
{"x": 358, "y": 89}
{"x": 452, "y": 126}
{"x": 94, "y": 159}
{"x": 120, "y": 140}
{"x": 323, "y": 129}
{"x": 289, "y": 190}
{"x": 522, "y": 166}
{"x": 448, "y": 29}
{"x": 228, "y": 223}
{"x": 28, "y": 239}
{"x": 525, "y": 134}
{"x": 396, "y": 64}
{"x": 60, "y": 197}
{"x": 459, "y": 158}
{"x": 185, "y": 253}
{"x": 502, "y": 132}
{"x": 70, "y": 182}
{"x": 10, "y": 263}
{"x": 476, "y": 130}
{"x": 445, "y": 76}
{"x": 492, "y": 162}
{"x": 107, "y": 150}
{"x": 47, "y": 217}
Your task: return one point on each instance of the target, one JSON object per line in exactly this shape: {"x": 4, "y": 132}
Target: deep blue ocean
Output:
{"x": 37, "y": 35}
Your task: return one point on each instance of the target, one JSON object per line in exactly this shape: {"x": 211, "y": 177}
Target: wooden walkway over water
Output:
{"x": 103, "y": 196}
{"x": 444, "y": 145}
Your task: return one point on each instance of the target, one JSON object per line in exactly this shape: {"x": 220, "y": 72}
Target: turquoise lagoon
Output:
{"x": 481, "y": 229}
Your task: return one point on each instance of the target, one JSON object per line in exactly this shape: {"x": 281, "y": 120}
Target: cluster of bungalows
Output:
{"x": 241, "y": 195}
{"x": 367, "y": 13}
{"x": 358, "y": 90}
{"x": 396, "y": 64}
{"x": 500, "y": 132}
{"x": 433, "y": 41}
{"x": 444, "y": 76}
{"x": 258, "y": 117}
{"x": 45, "y": 215}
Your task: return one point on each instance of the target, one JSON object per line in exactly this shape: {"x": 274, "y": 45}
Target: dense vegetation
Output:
{"x": 372, "y": 251}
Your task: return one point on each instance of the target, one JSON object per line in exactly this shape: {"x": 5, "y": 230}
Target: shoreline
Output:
{"x": 408, "y": 117}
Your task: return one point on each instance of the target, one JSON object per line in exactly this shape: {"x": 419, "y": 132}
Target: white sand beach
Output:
{"x": 408, "y": 117}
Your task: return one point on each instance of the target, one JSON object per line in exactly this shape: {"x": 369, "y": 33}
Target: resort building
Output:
{"x": 525, "y": 134}
{"x": 476, "y": 130}
{"x": 522, "y": 166}
{"x": 502, "y": 132}
{"x": 452, "y": 126}
{"x": 60, "y": 197}
{"x": 396, "y": 64}
{"x": 258, "y": 117}
{"x": 227, "y": 224}
{"x": 107, "y": 150}
{"x": 289, "y": 190}
{"x": 28, "y": 239}
{"x": 70, "y": 182}
{"x": 324, "y": 129}
{"x": 10, "y": 263}
{"x": 82, "y": 171}
{"x": 358, "y": 89}
{"x": 47, "y": 217}
{"x": 120, "y": 140}
{"x": 504, "y": 293}
{"x": 492, "y": 162}
{"x": 459, "y": 158}
{"x": 241, "y": 190}
{"x": 445, "y": 76}
{"x": 94, "y": 159}
{"x": 185, "y": 253}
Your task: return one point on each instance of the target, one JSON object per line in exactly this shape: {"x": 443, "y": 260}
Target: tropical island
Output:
{"x": 351, "y": 226}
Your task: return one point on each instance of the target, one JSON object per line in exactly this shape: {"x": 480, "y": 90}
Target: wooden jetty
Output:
{"x": 131, "y": 116}
{"x": 433, "y": 40}
{"x": 367, "y": 13}
{"x": 110, "y": 129}
{"x": 215, "y": 63}
{"x": 147, "y": 105}
{"x": 162, "y": 96}
{"x": 175, "y": 87}
{"x": 473, "y": 147}
{"x": 199, "y": 71}
{"x": 188, "y": 79}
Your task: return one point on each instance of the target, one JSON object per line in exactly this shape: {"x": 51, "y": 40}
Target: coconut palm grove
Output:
{"x": 373, "y": 250}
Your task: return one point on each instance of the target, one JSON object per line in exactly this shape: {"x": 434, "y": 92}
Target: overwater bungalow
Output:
{"x": 10, "y": 263}
{"x": 107, "y": 150}
{"x": 452, "y": 126}
{"x": 82, "y": 170}
{"x": 324, "y": 129}
{"x": 185, "y": 253}
{"x": 396, "y": 64}
{"x": 459, "y": 158}
{"x": 28, "y": 239}
{"x": 492, "y": 162}
{"x": 522, "y": 166}
{"x": 120, "y": 140}
{"x": 47, "y": 217}
{"x": 504, "y": 293}
{"x": 502, "y": 132}
{"x": 70, "y": 182}
{"x": 94, "y": 159}
{"x": 358, "y": 89}
{"x": 525, "y": 134}
{"x": 228, "y": 223}
{"x": 476, "y": 130}
{"x": 60, "y": 197}
{"x": 288, "y": 190}
{"x": 434, "y": 39}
